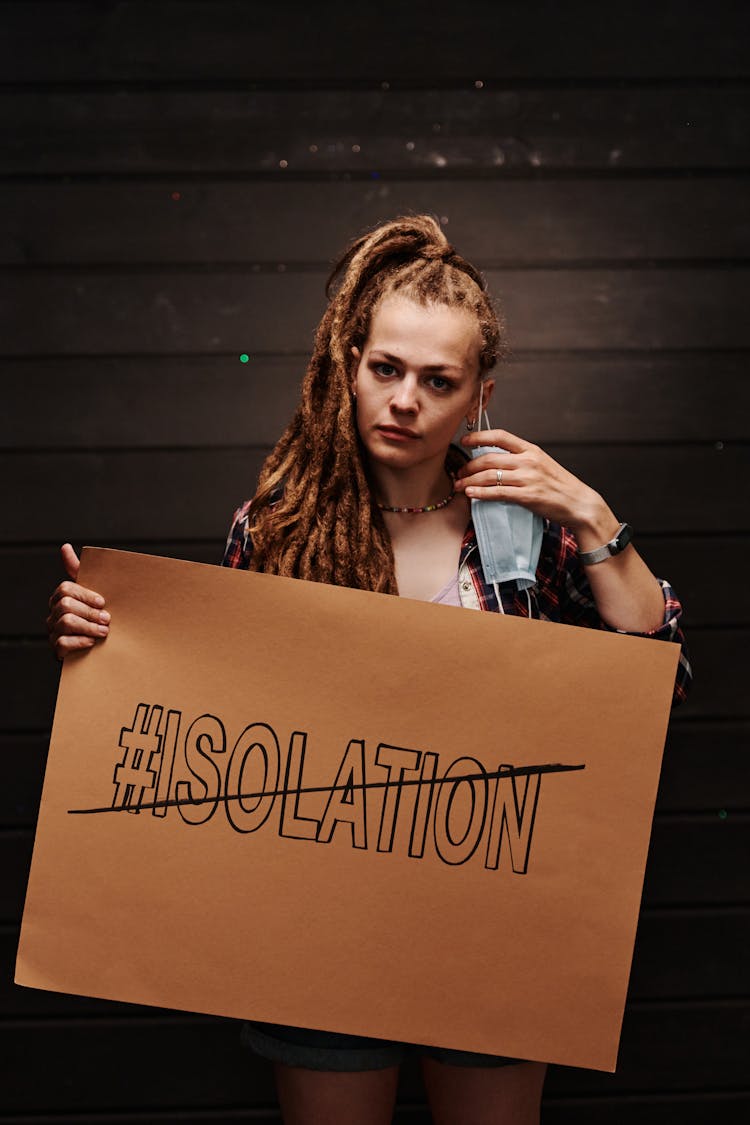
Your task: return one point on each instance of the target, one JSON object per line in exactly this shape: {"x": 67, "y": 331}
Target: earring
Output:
{"x": 470, "y": 424}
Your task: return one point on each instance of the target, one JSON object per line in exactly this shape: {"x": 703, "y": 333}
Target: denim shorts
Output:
{"x": 331, "y": 1050}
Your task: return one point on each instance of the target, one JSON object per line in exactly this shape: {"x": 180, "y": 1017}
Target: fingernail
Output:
{"x": 104, "y": 617}
{"x": 98, "y": 600}
{"x": 103, "y": 629}
{"x": 471, "y": 491}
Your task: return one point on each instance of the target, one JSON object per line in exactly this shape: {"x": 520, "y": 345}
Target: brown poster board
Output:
{"x": 253, "y": 807}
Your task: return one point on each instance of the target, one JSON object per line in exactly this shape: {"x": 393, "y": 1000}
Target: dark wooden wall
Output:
{"x": 175, "y": 179}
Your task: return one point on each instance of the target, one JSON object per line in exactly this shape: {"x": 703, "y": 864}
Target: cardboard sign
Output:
{"x": 300, "y": 804}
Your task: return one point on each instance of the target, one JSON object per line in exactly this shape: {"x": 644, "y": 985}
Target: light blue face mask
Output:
{"x": 509, "y": 537}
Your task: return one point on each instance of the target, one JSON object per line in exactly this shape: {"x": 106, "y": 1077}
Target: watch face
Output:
{"x": 623, "y": 537}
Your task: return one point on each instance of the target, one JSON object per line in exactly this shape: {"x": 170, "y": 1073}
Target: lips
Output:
{"x": 397, "y": 433}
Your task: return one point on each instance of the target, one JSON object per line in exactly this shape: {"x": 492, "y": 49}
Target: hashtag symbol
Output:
{"x": 133, "y": 774}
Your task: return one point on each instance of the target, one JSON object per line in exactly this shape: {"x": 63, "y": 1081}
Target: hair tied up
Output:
{"x": 435, "y": 253}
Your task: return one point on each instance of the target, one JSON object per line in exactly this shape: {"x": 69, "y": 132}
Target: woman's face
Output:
{"x": 416, "y": 381}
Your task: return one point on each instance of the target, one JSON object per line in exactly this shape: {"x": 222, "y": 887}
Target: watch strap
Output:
{"x": 614, "y": 547}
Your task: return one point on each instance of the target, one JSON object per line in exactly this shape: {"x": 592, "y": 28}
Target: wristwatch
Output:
{"x": 614, "y": 547}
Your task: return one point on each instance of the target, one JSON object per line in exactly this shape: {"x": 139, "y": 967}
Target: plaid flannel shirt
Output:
{"x": 562, "y": 591}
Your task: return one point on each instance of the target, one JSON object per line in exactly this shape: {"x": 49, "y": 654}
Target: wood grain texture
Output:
{"x": 174, "y": 180}
{"x": 491, "y": 222}
{"x": 654, "y": 1109}
{"x": 168, "y": 312}
{"x": 704, "y": 767}
{"x": 205, "y": 40}
{"x": 372, "y": 133}
{"x": 200, "y": 401}
{"x": 89, "y": 1064}
{"x": 193, "y": 493}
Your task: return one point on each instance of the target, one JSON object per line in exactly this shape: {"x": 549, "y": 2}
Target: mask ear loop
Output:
{"x": 481, "y": 413}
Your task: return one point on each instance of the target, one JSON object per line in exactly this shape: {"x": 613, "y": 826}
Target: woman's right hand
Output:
{"x": 77, "y": 618}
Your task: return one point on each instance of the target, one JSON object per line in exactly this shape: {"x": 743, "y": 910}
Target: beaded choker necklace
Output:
{"x": 420, "y": 511}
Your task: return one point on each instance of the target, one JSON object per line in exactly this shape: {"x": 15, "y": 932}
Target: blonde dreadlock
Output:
{"x": 313, "y": 515}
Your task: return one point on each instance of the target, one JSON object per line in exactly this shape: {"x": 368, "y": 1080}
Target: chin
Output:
{"x": 410, "y": 453}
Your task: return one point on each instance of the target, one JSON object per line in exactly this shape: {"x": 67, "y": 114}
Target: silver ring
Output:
{"x": 499, "y": 473}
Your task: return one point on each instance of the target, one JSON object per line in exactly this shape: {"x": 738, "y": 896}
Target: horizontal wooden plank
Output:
{"x": 33, "y": 677}
{"x": 677, "y": 1048}
{"x": 719, "y": 660}
{"x": 140, "y": 402}
{"x": 373, "y": 133}
{"x": 693, "y": 861}
{"x": 222, "y": 40}
{"x": 670, "y": 1047}
{"x": 654, "y": 1109}
{"x": 686, "y": 561}
{"x": 102, "y": 402}
{"x": 698, "y": 860}
{"x": 247, "y": 1115}
{"x": 704, "y": 770}
{"x": 690, "y": 955}
{"x": 183, "y": 1062}
{"x": 191, "y": 494}
{"x": 165, "y": 312}
{"x": 490, "y": 221}
{"x": 194, "y": 490}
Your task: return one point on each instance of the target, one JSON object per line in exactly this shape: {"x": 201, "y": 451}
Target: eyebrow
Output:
{"x": 427, "y": 366}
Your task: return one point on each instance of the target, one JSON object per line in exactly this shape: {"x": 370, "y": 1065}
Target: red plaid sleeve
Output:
{"x": 564, "y": 594}
{"x": 239, "y": 546}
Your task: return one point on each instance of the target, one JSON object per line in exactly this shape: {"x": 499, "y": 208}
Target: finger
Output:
{"x": 496, "y": 492}
{"x": 504, "y": 438}
{"x": 80, "y": 593}
{"x": 70, "y": 559}
{"x": 487, "y": 461}
{"x": 65, "y": 645}
{"x": 68, "y": 606}
{"x": 490, "y": 478}
{"x": 71, "y": 625}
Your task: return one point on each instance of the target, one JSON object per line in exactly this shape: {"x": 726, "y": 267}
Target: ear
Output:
{"x": 472, "y": 416}
{"x": 358, "y": 356}
{"x": 489, "y": 386}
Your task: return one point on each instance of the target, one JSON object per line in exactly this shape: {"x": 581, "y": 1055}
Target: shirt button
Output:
{"x": 466, "y": 585}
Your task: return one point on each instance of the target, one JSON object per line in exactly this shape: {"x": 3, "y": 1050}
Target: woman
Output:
{"x": 364, "y": 489}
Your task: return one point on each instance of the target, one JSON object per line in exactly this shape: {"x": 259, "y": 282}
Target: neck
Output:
{"x": 416, "y": 487}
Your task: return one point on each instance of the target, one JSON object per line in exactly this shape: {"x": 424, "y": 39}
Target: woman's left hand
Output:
{"x": 626, "y": 593}
{"x": 531, "y": 478}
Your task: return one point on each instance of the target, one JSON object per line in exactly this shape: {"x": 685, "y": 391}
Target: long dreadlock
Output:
{"x": 313, "y": 515}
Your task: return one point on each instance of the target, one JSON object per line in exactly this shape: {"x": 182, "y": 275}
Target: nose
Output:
{"x": 404, "y": 399}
